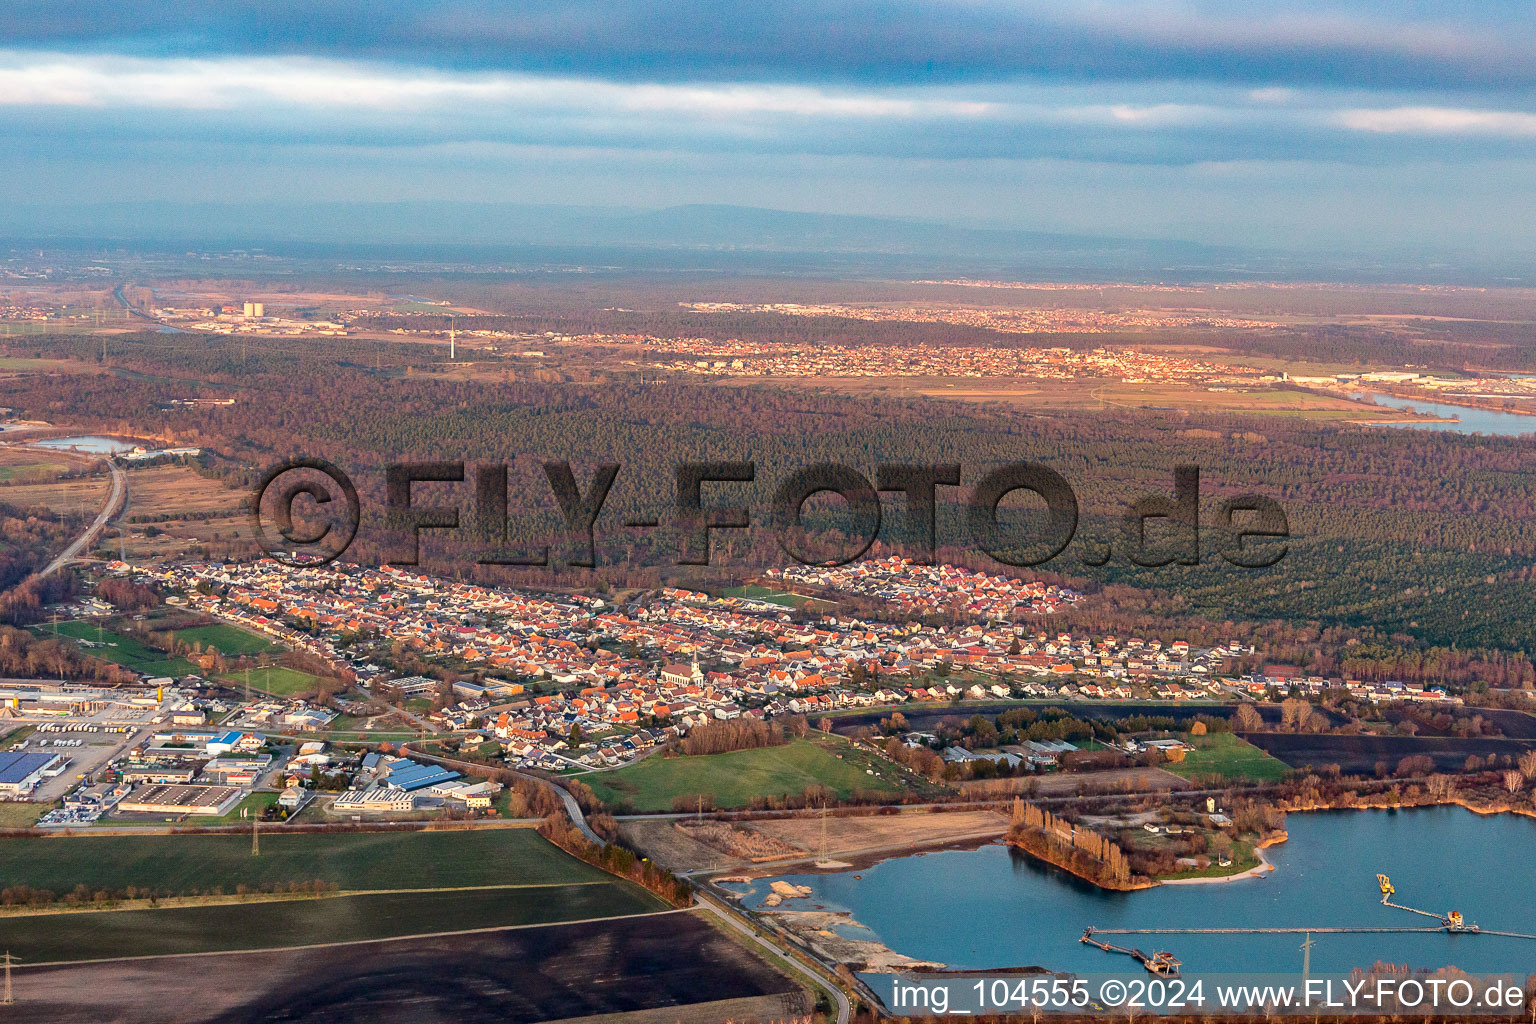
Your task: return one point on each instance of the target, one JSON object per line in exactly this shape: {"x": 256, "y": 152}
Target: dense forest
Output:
{"x": 1414, "y": 547}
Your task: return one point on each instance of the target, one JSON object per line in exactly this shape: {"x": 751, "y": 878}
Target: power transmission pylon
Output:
{"x": 256, "y": 835}
{"x": 7, "y": 960}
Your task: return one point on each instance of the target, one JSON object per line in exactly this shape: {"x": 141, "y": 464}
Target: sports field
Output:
{"x": 40, "y": 938}
{"x": 734, "y": 779}
{"x": 195, "y": 864}
{"x": 226, "y": 639}
{"x": 1230, "y": 757}
{"x": 119, "y": 649}
{"x": 783, "y": 598}
{"x": 274, "y": 679}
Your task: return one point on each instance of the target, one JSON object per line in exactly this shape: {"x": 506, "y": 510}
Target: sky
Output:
{"x": 1295, "y": 124}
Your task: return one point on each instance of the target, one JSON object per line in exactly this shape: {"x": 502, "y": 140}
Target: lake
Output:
{"x": 1471, "y": 421}
{"x": 92, "y": 444}
{"x": 998, "y": 908}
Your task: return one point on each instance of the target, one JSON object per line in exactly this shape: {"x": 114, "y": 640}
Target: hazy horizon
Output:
{"x": 1312, "y": 126}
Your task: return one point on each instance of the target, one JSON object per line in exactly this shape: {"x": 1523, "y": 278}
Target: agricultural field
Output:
{"x": 173, "y": 509}
{"x": 1364, "y": 752}
{"x": 119, "y": 649}
{"x": 304, "y": 921}
{"x": 81, "y": 495}
{"x": 1231, "y": 757}
{"x": 736, "y": 778}
{"x": 679, "y": 969}
{"x": 190, "y": 864}
{"x": 1093, "y": 394}
{"x": 273, "y": 679}
{"x": 29, "y": 466}
{"x": 24, "y": 364}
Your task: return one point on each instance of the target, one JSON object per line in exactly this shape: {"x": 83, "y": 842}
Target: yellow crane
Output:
{"x": 1386, "y": 887}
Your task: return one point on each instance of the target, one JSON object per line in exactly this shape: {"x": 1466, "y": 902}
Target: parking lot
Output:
{"x": 87, "y": 746}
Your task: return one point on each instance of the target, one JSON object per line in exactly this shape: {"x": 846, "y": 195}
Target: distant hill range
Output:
{"x": 446, "y": 222}
{"x": 728, "y": 238}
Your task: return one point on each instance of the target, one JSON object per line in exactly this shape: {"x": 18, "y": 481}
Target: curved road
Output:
{"x": 572, "y": 808}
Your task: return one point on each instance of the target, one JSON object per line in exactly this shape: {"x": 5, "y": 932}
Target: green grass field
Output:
{"x": 120, "y": 650}
{"x": 1230, "y": 757}
{"x": 178, "y": 865}
{"x": 274, "y": 679}
{"x": 16, "y": 814}
{"x": 782, "y": 598}
{"x": 735, "y": 778}
{"x": 42, "y": 938}
{"x": 31, "y": 472}
{"x": 756, "y": 593}
{"x": 346, "y": 727}
{"x": 253, "y": 805}
{"x": 227, "y": 639}
{"x": 1243, "y": 859}
{"x": 15, "y": 736}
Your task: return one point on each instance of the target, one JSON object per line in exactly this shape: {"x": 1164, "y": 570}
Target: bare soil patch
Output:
{"x": 746, "y": 843}
{"x": 846, "y": 836}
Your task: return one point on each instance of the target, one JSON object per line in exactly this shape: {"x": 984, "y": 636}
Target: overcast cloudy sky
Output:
{"x": 1295, "y": 123}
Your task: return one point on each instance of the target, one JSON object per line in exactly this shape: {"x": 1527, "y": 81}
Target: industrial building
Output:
{"x": 177, "y": 799}
{"x": 375, "y": 798}
{"x": 403, "y": 773}
{"x": 19, "y": 773}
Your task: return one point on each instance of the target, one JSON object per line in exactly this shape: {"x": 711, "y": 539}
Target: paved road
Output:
{"x": 844, "y": 1011}
{"x": 116, "y": 499}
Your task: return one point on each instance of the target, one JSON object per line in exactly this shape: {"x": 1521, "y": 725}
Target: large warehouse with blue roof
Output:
{"x": 19, "y": 773}
{"x": 403, "y": 773}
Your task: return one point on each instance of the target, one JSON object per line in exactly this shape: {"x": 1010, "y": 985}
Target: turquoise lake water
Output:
{"x": 94, "y": 445}
{"x": 1471, "y": 421}
{"x": 997, "y": 908}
